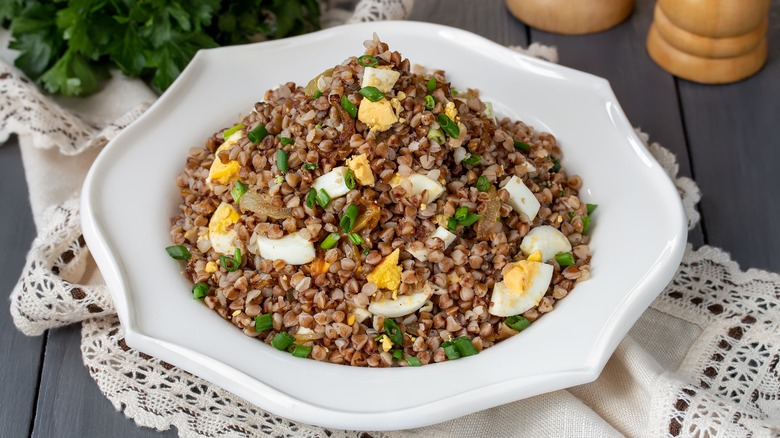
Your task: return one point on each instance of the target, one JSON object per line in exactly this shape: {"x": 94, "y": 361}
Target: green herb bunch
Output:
{"x": 69, "y": 45}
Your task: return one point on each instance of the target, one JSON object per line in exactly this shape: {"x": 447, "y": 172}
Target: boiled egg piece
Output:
{"x": 403, "y": 305}
{"x": 419, "y": 185}
{"x": 221, "y": 233}
{"x": 381, "y": 78}
{"x": 451, "y": 111}
{"x": 545, "y": 239}
{"x": 387, "y": 274}
{"x": 333, "y": 182}
{"x": 521, "y": 199}
{"x": 292, "y": 248}
{"x": 223, "y": 173}
{"x": 379, "y": 115}
{"x": 523, "y": 287}
{"x": 361, "y": 169}
{"x": 443, "y": 234}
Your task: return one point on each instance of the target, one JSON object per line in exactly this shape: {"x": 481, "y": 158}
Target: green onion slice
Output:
{"x": 238, "y": 190}
{"x": 452, "y": 224}
{"x": 556, "y": 165}
{"x": 461, "y": 213}
{"x": 349, "y": 218}
{"x": 413, "y": 361}
{"x": 470, "y": 219}
{"x": 450, "y": 350}
{"x": 431, "y": 85}
{"x": 591, "y": 208}
{"x": 450, "y": 127}
{"x": 348, "y": 106}
{"x": 264, "y": 322}
{"x": 317, "y": 94}
{"x": 520, "y": 146}
{"x": 311, "y": 198}
{"x": 310, "y": 166}
{"x": 286, "y": 141}
{"x": 258, "y": 134}
{"x": 429, "y": 102}
{"x": 454, "y": 92}
{"x": 436, "y": 135}
{"x": 564, "y": 258}
{"x": 200, "y": 290}
{"x": 232, "y": 131}
{"x": 398, "y": 354}
{"x": 585, "y": 224}
{"x": 464, "y": 346}
{"x": 281, "y": 160}
{"x": 366, "y": 251}
{"x": 323, "y": 198}
{"x": 483, "y": 184}
{"x": 330, "y": 241}
{"x": 301, "y": 351}
{"x": 349, "y": 179}
{"x": 356, "y": 239}
{"x": 373, "y": 94}
{"x": 393, "y": 332}
{"x": 517, "y": 322}
{"x": 472, "y": 159}
{"x": 282, "y": 340}
{"x": 231, "y": 263}
{"x": 179, "y": 252}
{"x": 367, "y": 61}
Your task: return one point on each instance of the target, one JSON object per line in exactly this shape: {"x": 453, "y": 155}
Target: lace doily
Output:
{"x": 722, "y": 380}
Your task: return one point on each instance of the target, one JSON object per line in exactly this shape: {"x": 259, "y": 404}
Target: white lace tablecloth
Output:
{"x": 703, "y": 360}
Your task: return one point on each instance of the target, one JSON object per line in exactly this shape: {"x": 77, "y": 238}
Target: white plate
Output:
{"x": 638, "y": 233}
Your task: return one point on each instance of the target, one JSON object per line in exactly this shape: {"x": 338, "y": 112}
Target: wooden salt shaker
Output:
{"x": 571, "y": 17}
{"x": 710, "y": 41}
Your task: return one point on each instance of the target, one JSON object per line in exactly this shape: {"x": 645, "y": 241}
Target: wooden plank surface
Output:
{"x": 20, "y": 356}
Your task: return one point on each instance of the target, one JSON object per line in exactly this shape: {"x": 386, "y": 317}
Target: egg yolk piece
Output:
{"x": 379, "y": 115}
{"x": 361, "y": 169}
{"x": 220, "y": 233}
{"x": 523, "y": 287}
{"x": 224, "y": 173}
{"x": 387, "y": 274}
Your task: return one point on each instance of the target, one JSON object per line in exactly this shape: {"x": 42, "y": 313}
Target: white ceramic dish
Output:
{"x": 638, "y": 233}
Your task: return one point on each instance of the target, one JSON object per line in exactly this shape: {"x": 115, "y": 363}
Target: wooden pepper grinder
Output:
{"x": 571, "y": 17}
{"x": 710, "y": 41}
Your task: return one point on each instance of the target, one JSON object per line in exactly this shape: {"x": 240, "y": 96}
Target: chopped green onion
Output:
{"x": 232, "y": 131}
{"x": 556, "y": 165}
{"x": 349, "y": 218}
{"x": 585, "y": 224}
{"x": 429, "y": 102}
{"x": 571, "y": 215}
{"x": 591, "y": 208}
{"x": 431, "y": 85}
{"x": 311, "y": 198}
{"x": 393, "y": 332}
{"x": 564, "y": 258}
{"x": 562, "y": 193}
{"x": 282, "y": 340}
{"x": 323, "y": 198}
{"x": 520, "y": 146}
{"x": 356, "y": 239}
{"x": 454, "y": 92}
{"x": 286, "y": 140}
{"x": 461, "y": 213}
{"x": 349, "y": 179}
{"x": 517, "y": 322}
{"x": 200, "y": 290}
{"x": 281, "y": 160}
{"x": 483, "y": 185}
{"x": 470, "y": 219}
{"x": 310, "y": 166}
{"x": 278, "y": 179}
{"x": 317, "y": 126}
{"x": 373, "y": 94}
{"x": 452, "y": 224}
{"x": 231, "y": 263}
{"x": 464, "y": 346}
{"x": 301, "y": 351}
{"x": 238, "y": 190}
{"x": 472, "y": 159}
{"x": 348, "y": 106}
{"x": 264, "y": 322}
{"x": 179, "y": 252}
{"x": 317, "y": 94}
{"x": 450, "y": 350}
{"x": 366, "y": 251}
{"x": 398, "y": 354}
{"x": 368, "y": 61}
{"x": 258, "y": 134}
{"x": 436, "y": 135}
{"x": 450, "y": 127}
{"x": 413, "y": 361}
{"x": 330, "y": 241}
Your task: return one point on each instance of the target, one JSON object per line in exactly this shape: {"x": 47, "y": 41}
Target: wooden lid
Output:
{"x": 716, "y": 18}
{"x": 702, "y": 69}
{"x": 571, "y": 17}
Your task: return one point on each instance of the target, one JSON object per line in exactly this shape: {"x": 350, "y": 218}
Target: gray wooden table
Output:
{"x": 722, "y": 136}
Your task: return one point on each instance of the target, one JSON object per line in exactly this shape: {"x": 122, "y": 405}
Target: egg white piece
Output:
{"x": 545, "y": 239}
{"x": 421, "y": 183}
{"x": 521, "y": 199}
{"x": 443, "y": 234}
{"x": 403, "y": 305}
{"x": 381, "y": 78}
{"x": 333, "y": 182}
{"x": 514, "y": 298}
{"x": 221, "y": 236}
{"x": 292, "y": 248}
